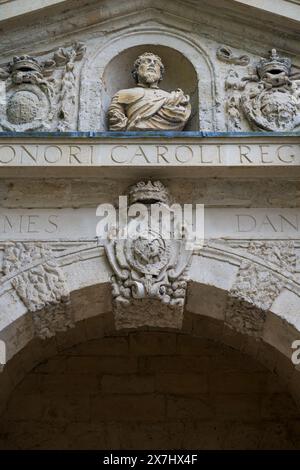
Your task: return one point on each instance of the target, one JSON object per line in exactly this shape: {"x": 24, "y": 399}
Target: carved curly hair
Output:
{"x": 139, "y": 60}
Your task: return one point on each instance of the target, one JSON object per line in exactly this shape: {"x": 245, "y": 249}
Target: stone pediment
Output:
{"x": 220, "y": 65}
{"x": 79, "y": 73}
{"x": 281, "y": 17}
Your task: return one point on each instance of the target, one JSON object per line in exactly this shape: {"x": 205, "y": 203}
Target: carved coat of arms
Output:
{"x": 269, "y": 96}
{"x": 148, "y": 266}
{"x": 28, "y": 101}
{"x": 39, "y": 94}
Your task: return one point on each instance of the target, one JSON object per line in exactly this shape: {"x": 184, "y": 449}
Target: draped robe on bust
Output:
{"x": 147, "y": 109}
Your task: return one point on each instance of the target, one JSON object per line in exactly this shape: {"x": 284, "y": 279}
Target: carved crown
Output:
{"x": 274, "y": 65}
{"x": 25, "y": 63}
{"x": 150, "y": 192}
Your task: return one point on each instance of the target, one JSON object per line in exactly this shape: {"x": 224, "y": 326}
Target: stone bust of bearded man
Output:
{"x": 146, "y": 107}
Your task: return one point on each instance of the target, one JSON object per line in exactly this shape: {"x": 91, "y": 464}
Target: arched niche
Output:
{"x": 179, "y": 73}
{"x": 108, "y": 68}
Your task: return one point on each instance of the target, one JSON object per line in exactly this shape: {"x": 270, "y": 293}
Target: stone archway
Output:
{"x": 212, "y": 294}
{"x": 150, "y": 389}
{"x": 217, "y": 276}
{"x": 222, "y": 375}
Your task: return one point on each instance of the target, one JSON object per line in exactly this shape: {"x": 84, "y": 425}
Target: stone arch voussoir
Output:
{"x": 216, "y": 307}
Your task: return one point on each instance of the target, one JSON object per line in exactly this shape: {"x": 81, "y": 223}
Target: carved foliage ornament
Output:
{"x": 150, "y": 271}
{"x": 40, "y": 284}
{"x": 257, "y": 286}
{"x": 269, "y": 96}
{"x": 39, "y": 94}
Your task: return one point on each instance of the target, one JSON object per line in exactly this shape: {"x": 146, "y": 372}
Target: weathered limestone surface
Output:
{"x": 74, "y": 300}
{"x": 74, "y": 89}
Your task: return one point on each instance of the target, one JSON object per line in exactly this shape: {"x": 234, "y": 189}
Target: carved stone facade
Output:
{"x": 85, "y": 86}
{"x": 220, "y": 134}
{"x": 43, "y": 95}
{"x": 235, "y": 87}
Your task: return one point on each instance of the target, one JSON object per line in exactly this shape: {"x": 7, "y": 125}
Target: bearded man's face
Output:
{"x": 149, "y": 71}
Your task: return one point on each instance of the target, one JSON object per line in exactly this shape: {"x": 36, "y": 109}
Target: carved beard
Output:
{"x": 149, "y": 77}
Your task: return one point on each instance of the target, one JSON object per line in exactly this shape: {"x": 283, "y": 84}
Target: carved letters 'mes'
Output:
{"x": 40, "y": 284}
{"x": 150, "y": 271}
{"x": 256, "y": 287}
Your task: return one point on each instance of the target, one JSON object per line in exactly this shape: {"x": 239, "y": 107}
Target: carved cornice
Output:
{"x": 252, "y": 155}
{"x": 223, "y": 21}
